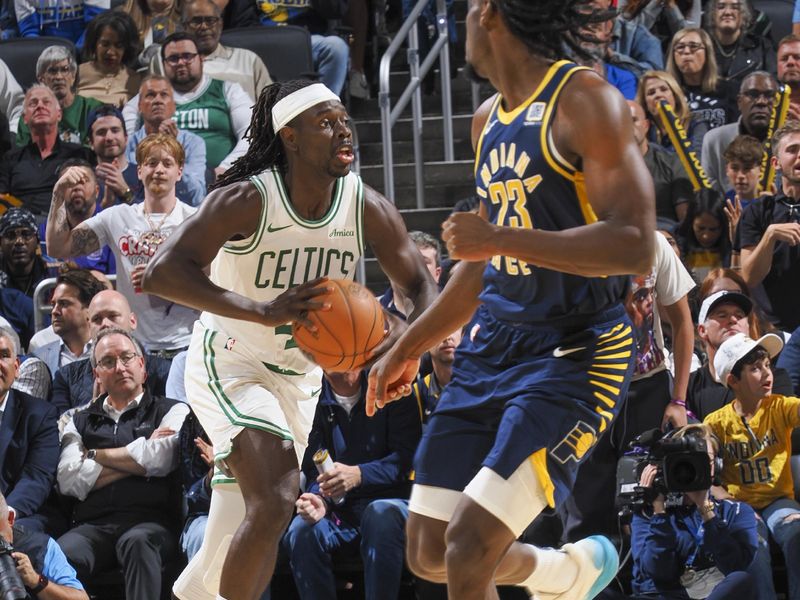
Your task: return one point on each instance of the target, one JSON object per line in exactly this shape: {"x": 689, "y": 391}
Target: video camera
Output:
{"x": 682, "y": 465}
{"x": 11, "y": 586}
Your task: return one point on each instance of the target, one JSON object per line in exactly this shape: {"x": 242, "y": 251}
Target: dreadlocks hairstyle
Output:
{"x": 551, "y": 28}
{"x": 266, "y": 148}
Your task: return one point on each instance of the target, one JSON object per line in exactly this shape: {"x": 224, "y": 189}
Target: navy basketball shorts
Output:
{"x": 527, "y": 394}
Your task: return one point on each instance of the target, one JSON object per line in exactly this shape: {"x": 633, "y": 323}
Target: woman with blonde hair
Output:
{"x": 658, "y": 86}
{"x": 693, "y": 64}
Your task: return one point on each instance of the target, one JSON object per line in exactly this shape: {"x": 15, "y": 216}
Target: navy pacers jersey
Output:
{"x": 524, "y": 182}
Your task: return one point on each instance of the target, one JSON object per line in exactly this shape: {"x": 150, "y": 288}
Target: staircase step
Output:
{"x": 371, "y": 153}
{"x": 369, "y": 130}
{"x": 435, "y": 173}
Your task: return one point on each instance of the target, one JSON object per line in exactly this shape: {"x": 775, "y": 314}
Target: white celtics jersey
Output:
{"x": 287, "y": 250}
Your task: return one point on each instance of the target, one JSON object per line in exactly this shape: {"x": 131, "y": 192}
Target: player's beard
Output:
{"x": 471, "y": 74}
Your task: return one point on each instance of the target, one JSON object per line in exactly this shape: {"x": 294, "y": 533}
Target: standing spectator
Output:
{"x": 330, "y": 52}
{"x": 742, "y": 171}
{"x": 116, "y": 459}
{"x": 29, "y": 171}
{"x": 755, "y": 100}
{"x": 56, "y": 68}
{"x": 11, "y": 97}
{"x": 134, "y": 232}
{"x": 157, "y": 109}
{"x": 371, "y": 465}
{"x": 739, "y": 51}
{"x": 70, "y": 317}
{"x": 21, "y": 268}
{"x": 155, "y": 20}
{"x": 28, "y": 440}
{"x": 112, "y": 45}
{"x": 769, "y": 231}
{"x": 693, "y": 64}
{"x": 755, "y": 431}
{"x": 218, "y": 111}
{"x": 789, "y": 71}
{"x": 203, "y": 18}
{"x": 673, "y": 188}
{"x": 57, "y": 18}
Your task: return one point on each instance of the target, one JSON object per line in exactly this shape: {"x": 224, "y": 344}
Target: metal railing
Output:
{"x": 412, "y": 93}
{"x": 41, "y": 299}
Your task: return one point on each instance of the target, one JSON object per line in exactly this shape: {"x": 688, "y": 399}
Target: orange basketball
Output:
{"x": 353, "y": 326}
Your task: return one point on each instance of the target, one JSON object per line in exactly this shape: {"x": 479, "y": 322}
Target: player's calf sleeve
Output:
{"x": 555, "y": 571}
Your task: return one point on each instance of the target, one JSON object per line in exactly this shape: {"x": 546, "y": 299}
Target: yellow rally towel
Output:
{"x": 683, "y": 146}
{"x": 780, "y": 108}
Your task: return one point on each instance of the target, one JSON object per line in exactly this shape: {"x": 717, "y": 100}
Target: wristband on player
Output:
{"x": 678, "y": 401}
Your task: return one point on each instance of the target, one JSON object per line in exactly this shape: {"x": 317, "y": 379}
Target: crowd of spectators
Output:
{"x": 108, "y": 154}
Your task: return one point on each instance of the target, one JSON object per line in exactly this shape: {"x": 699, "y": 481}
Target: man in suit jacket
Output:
{"x": 70, "y": 316}
{"x": 29, "y": 446}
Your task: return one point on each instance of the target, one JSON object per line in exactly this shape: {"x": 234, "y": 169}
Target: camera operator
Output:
{"x": 698, "y": 550}
{"x": 41, "y": 564}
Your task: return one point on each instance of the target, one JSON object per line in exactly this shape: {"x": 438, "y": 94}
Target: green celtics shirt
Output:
{"x": 72, "y": 127}
{"x": 208, "y": 115}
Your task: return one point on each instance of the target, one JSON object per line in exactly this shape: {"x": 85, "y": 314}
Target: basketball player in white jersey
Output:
{"x": 286, "y": 215}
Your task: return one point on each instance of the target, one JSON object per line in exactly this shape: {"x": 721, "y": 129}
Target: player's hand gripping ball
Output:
{"x": 347, "y": 332}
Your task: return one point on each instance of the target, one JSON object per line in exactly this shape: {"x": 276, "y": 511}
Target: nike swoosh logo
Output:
{"x": 315, "y": 392}
{"x": 559, "y": 352}
{"x": 271, "y": 229}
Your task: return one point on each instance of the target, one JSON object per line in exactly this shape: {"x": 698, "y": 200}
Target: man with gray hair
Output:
{"x": 28, "y": 465}
{"x": 28, "y": 171}
{"x": 116, "y": 458}
{"x": 57, "y": 69}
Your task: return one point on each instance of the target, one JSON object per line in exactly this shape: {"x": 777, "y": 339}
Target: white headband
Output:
{"x": 292, "y": 105}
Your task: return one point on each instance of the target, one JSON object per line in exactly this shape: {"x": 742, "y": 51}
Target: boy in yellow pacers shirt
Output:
{"x": 755, "y": 434}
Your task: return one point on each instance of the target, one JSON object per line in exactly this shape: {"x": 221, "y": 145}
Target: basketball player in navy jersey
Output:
{"x": 287, "y": 214}
{"x": 566, "y": 215}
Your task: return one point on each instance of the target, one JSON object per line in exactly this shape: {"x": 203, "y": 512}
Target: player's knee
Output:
{"x": 425, "y": 554}
{"x": 467, "y": 545}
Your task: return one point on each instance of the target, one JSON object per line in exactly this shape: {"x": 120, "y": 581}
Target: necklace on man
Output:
{"x": 730, "y": 53}
{"x": 154, "y": 237}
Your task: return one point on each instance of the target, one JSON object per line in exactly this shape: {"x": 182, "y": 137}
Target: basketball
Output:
{"x": 352, "y": 327}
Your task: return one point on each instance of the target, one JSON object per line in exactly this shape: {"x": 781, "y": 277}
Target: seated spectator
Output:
{"x": 755, "y": 100}
{"x": 81, "y": 203}
{"x": 17, "y": 311}
{"x": 393, "y": 300}
{"x": 74, "y": 385}
{"x": 739, "y": 51}
{"x": 197, "y": 471}
{"x": 731, "y": 280}
{"x": 155, "y": 20}
{"x": 742, "y": 171}
{"x": 693, "y": 64}
{"x": 28, "y": 440}
{"x": 655, "y": 86}
{"x": 157, "y": 109}
{"x": 755, "y": 431}
{"x": 768, "y": 236}
{"x": 57, "y": 69}
{"x": 134, "y": 232}
{"x": 702, "y": 548}
{"x": 112, "y": 44}
{"x": 11, "y": 97}
{"x": 673, "y": 188}
{"x": 596, "y": 41}
{"x": 116, "y": 178}
{"x": 722, "y": 315}
{"x": 70, "y": 318}
{"x": 426, "y": 389}
{"x": 362, "y": 499}
{"x": 53, "y": 18}
{"x": 789, "y": 71}
{"x": 330, "y": 53}
{"x": 675, "y": 14}
{"x": 21, "y": 268}
{"x": 39, "y": 560}
{"x": 116, "y": 460}
{"x": 203, "y": 18}
{"x": 28, "y": 172}
{"x": 703, "y": 235}
{"x": 218, "y": 111}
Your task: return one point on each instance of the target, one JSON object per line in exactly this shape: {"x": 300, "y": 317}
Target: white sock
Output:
{"x": 555, "y": 571}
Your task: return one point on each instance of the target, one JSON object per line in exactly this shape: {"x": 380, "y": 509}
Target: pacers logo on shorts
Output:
{"x": 576, "y": 444}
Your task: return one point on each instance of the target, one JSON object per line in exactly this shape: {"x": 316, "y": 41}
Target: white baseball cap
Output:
{"x": 722, "y": 297}
{"x": 737, "y": 346}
